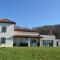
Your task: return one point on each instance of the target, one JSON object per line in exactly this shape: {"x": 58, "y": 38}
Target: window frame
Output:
{"x": 4, "y": 29}
{"x": 3, "y": 40}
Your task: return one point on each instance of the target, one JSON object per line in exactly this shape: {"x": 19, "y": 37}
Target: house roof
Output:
{"x": 24, "y": 29}
{"x": 6, "y": 21}
{"x": 27, "y": 36}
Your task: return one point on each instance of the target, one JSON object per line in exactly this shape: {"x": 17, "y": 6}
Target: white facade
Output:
{"x": 25, "y": 33}
{"x": 32, "y": 38}
{"x": 57, "y": 42}
{"x": 10, "y": 40}
{"x": 48, "y": 38}
{"x": 8, "y": 34}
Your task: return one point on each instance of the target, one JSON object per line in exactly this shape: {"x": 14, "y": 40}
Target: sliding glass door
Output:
{"x": 33, "y": 42}
{"x": 47, "y": 42}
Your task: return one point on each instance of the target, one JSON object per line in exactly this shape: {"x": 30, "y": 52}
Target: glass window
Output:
{"x": 3, "y": 29}
{"x": 3, "y": 40}
{"x": 47, "y": 42}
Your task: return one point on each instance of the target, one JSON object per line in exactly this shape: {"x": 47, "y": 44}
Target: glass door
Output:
{"x": 47, "y": 42}
{"x": 33, "y": 42}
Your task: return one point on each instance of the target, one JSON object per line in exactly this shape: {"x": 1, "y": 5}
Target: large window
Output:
{"x": 3, "y": 40}
{"x": 3, "y": 29}
{"x": 47, "y": 42}
{"x": 33, "y": 42}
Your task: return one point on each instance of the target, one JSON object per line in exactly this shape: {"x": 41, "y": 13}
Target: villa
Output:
{"x": 11, "y": 36}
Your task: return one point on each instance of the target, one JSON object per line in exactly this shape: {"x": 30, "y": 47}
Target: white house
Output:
{"x": 6, "y": 33}
{"x": 10, "y": 36}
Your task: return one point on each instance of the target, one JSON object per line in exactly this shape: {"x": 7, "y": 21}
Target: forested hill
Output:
{"x": 49, "y": 29}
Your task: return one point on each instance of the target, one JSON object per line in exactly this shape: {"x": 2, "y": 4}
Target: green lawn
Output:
{"x": 30, "y": 53}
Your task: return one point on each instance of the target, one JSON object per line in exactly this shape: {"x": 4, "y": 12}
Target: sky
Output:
{"x": 31, "y": 13}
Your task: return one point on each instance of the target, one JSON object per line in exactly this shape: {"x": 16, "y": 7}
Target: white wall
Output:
{"x": 58, "y": 40}
{"x": 25, "y": 33}
{"x": 8, "y": 43}
{"x": 7, "y": 34}
{"x": 47, "y": 37}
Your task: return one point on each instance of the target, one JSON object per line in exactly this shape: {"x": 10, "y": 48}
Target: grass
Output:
{"x": 36, "y": 53}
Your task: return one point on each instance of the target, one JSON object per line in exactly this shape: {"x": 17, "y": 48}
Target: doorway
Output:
{"x": 47, "y": 43}
{"x": 33, "y": 42}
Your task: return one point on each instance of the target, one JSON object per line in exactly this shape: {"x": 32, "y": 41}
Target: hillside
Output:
{"x": 49, "y": 29}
